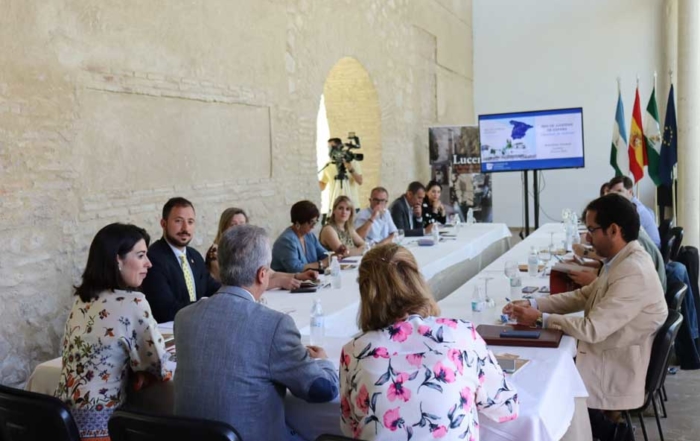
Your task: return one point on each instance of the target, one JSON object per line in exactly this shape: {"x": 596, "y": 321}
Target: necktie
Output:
{"x": 188, "y": 278}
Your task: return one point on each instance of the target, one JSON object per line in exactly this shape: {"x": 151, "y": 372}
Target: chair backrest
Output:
{"x": 665, "y": 236}
{"x": 327, "y": 437}
{"x": 675, "y": 242}
{"x": 660, "y": 351}
{"x": 29, "y": 416}
{"x": 133, "y": 426}
{"x": 675, "y": 293}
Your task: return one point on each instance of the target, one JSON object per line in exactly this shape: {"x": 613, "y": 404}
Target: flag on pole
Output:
{"x": 652, "y": 137}
{"x": 618, "y": 154}
{"x": 637, "y": 147}
{"x": 669, "y": 145}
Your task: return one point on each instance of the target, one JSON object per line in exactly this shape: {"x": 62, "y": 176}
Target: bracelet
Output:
{"x": 320, "y": 265}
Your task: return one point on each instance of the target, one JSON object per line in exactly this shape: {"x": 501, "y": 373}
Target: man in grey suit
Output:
{"x": 236, "y": 357}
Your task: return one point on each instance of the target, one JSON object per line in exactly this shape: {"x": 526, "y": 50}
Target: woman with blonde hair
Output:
{"x": 232, "y": 217}
{"x": 340, "y": 229}
{"x": 413, "y": 371}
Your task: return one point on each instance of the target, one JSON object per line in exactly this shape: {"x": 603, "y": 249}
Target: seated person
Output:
{"x": 297, "y": 249}
{"x": 110, "y": 335}
{"x": 374, "y": 224}
{"x": 623, "y": 308}
{"x": 340, "y": 229}
{"x": 624, "y": 186}
{"x": 407, "y": 211}
{"x": 179, "y": 275}
{"x": 236, "y": 358}
{"x": 418, "y": 384}
{"x": 604, "y": 189}
{"x": 232, "y": 217}
{"x": 433, "y": 210}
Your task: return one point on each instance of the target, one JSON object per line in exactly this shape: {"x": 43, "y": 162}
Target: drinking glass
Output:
{"x": 545, "y": 255}
{"x": 400, "y": 236}
{"x": 510, "y": 269}
{"x": 490, "y": 303}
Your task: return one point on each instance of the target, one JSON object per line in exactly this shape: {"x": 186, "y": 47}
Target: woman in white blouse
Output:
{"x": 413, "y": 374}
{"x": 110, "y": 336}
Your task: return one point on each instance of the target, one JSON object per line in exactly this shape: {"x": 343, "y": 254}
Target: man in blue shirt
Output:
{"x": 623, "y": 185}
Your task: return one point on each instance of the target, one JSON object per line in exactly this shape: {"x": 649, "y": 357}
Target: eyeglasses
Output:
{"x": 591, "y": 230}
{"x": 379, "y": 201}
{"x": 313, "y": 222}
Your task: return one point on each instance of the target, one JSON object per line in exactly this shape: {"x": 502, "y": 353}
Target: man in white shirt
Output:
{"x": 375, "y": 223}
{"x": 623, "y": 185}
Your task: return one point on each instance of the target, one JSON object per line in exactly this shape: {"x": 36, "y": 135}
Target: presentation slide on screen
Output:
{"x": 531, "y": 140}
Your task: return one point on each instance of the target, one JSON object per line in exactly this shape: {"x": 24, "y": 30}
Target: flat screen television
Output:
{"x": 537, "y": 140}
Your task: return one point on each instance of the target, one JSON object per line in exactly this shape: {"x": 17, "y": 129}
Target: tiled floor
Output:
{"x": 683, "y": 406}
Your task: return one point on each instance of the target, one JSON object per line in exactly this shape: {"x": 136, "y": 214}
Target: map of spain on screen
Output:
{"x": 531, "y": 140}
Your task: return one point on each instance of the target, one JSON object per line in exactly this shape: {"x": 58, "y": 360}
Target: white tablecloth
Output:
{"x": 340, "y": 306}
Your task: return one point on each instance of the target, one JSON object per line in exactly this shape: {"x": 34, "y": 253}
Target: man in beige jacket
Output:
{"x": 623, "y": 308}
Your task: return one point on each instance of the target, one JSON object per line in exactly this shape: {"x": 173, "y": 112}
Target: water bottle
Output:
{"x": 436, "y": 233}
{"x": 336, "y": 280}
{"x": 470, "y": 217}
{"x": 532, "y": 263}
{"x": 318, "y": 325}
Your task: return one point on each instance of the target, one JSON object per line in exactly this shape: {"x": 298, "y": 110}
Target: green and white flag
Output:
{"x": 653, "y": 138}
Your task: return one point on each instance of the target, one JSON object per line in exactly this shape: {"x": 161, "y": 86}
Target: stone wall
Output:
{"x": 108, "y": 109}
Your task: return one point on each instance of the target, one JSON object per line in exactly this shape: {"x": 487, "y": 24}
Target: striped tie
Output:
{"x": 188, "y": 278}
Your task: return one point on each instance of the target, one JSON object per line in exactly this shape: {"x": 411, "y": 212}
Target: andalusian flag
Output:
{"x": 618, "y": 151}
{"x": 652, "y": 136}
{"x": 637, "y": 147}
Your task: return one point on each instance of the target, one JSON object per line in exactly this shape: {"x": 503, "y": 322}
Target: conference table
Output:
{"x": 550, "y": 389}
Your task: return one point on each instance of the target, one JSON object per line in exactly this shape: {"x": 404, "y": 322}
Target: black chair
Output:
{"x": 656, "y": 372}
{"x": 664, "y": 235}
{"x": 135, "y": 426}
{"x": 327, "y": 437}
{"x": 28, "y": 416}
{"x": 675, "y": 294}
{"x": 675, "y": 242}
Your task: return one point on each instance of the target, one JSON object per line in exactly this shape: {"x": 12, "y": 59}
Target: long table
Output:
{"x": 549, "y": 386}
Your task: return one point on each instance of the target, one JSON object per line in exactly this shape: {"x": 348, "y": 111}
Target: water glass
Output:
{"x": 399, "y": 236}
{"x": 510, "y": 269}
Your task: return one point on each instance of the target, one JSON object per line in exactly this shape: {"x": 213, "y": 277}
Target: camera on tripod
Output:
{"x": 341, "y": 153}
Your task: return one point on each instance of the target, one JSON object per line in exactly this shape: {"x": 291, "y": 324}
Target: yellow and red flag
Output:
{"x": 637, "y": 148}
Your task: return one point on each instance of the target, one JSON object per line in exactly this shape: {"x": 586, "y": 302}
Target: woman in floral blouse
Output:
{"x": 110, "y": 334}
{"x": 412, "y": 374}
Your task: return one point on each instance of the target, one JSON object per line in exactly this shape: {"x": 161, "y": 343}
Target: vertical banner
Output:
{"x": 455, "y": 162}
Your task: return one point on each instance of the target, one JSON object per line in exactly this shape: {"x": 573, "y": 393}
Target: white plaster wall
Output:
{"x": 540, "y": 54}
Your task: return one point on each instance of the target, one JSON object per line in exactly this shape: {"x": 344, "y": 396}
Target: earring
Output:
{"x": 120, "y": 268}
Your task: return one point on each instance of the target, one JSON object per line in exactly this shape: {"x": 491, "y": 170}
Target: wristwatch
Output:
{"x": 539, "y": 322}
{"x": 320, "y": 265}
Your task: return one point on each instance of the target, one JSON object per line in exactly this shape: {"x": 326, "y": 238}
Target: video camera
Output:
{"x": 342, "y": 153}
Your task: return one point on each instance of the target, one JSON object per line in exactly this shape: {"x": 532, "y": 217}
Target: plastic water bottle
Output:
{"x": 318, "y": 324}
{"x": 336, "y": 280}
{"x": 470, "y": 217}
{"x": 436, "y": 233}
{"x": 532, "y": 263}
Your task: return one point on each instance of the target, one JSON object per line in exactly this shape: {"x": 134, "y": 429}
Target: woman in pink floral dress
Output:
{"x": 412, "y": 374}
{"x": 110, "y": 334}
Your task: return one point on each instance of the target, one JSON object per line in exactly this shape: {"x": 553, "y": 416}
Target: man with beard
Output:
{"x": 178, "y": 276}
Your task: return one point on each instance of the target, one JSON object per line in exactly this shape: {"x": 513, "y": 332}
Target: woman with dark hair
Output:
{"x": 110, "y": 334}
{"x": 297, "y": 249}
{"x": 411, "y": 370}
{"x": 433, "y": 210}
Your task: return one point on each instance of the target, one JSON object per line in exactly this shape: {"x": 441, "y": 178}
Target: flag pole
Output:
{"x": 636, "y": 183}
{"x": 659, "y": 215}
{"x": 674, "y": 172}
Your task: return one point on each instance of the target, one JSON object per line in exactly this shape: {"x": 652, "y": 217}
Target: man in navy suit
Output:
{"x": 178, "y": 276}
